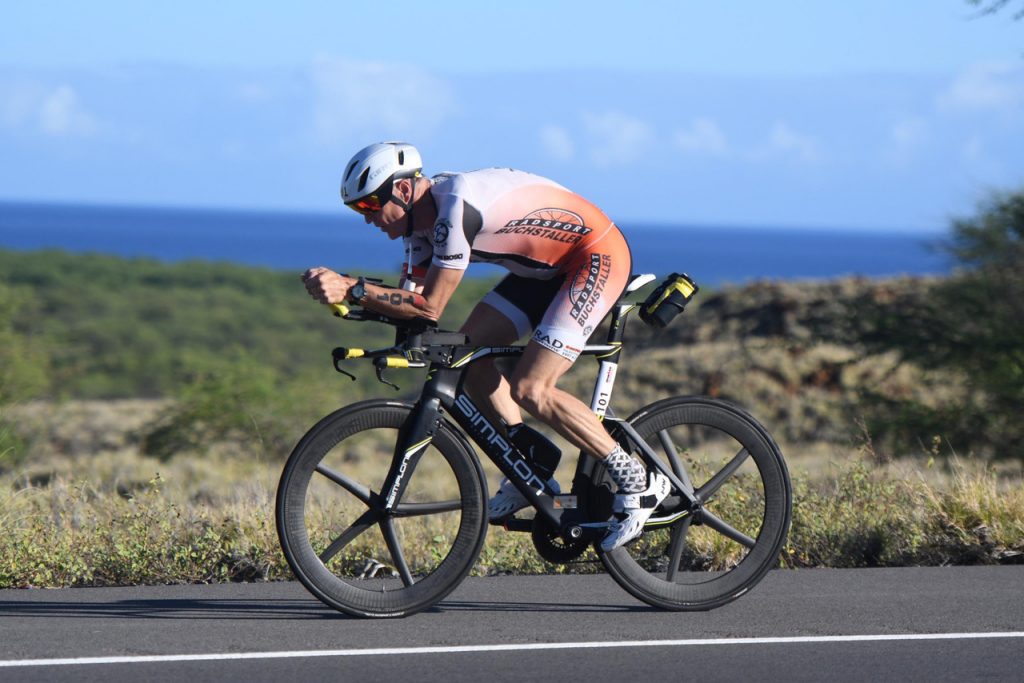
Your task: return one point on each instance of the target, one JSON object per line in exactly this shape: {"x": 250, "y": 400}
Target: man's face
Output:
{"x": 391, "y": 219}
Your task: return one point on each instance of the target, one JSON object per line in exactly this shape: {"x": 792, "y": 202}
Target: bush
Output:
{"x": 23, "y": 370}
{"x": 243, "y": 351}
{"x": 69, "y": 533}
{"x": 972, "y": 328}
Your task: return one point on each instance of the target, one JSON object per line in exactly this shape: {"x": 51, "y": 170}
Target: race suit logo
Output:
{"x": 557, "y": 345}
{"x": 587, "y": 285}
{"x": 441, "y": 231}
{"x": 553, "y": 224}
{"x": 553, "y": 343}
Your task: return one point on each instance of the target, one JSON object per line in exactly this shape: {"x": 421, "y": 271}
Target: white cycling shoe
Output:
{"x": 633, "y": 510}
{"x": 508, "y": 500}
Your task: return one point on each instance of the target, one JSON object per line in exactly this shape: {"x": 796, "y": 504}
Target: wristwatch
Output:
{"x": 357, "y": 292}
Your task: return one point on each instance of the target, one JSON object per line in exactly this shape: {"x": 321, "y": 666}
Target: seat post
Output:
{"x": 617, "y": 322}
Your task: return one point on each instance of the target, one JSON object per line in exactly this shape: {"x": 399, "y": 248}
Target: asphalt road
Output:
{"x": 933, "y": 624}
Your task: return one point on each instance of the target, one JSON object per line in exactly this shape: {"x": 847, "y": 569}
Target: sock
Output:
{"x": 626, "y": 471}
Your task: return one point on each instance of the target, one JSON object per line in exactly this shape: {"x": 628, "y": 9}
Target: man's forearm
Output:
{"x": 398, "y": 303}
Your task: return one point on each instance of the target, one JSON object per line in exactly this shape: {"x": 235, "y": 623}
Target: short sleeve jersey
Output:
{"x": 526, "y": 223}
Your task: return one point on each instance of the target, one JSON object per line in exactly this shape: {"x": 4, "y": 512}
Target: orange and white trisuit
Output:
{"x": 569, "y": 263}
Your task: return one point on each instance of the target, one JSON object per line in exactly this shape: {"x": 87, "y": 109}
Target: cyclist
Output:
{"x": 568, "y": 265}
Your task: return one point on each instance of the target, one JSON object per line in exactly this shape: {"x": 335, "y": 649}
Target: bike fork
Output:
{"x": 413, "y": 439}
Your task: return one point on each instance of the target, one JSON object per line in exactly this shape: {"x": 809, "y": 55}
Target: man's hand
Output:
{"x": 326, "y": 286}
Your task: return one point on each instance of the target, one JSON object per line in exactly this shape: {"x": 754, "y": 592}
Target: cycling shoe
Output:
{"x": 508, "y": 500}
{"x": 632, "y": 510}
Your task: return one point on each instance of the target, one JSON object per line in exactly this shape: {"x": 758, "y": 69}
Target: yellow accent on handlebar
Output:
{"x": 398, "y": 362}
{"x": 354, "y": 353}
{"x": 340, "y": 310}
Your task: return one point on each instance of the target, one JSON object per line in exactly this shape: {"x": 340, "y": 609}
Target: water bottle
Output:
{"x": 538, "y": 449}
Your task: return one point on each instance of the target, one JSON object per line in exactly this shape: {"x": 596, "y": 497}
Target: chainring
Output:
{"x": 552, "y": 547}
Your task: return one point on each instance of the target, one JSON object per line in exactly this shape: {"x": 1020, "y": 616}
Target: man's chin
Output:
{"x": 393, "y": 231}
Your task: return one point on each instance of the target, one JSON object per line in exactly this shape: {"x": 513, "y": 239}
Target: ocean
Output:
{"x": 295, "y": 241}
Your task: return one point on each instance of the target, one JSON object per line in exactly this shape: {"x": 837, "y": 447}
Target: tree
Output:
{"x": 22, "y": 363}
{"x": 993, "y": 6}
{"x": 985, "y": 311}
{"x": 973, "y": 325}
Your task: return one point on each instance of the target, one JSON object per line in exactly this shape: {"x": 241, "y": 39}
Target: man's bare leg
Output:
{"x": 533, "y": 388}
{"x": 489, "y": 389}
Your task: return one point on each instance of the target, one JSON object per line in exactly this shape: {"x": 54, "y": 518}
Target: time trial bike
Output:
{"x": 381, "y": 508}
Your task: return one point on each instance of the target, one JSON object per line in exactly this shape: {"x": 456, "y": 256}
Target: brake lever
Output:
{"x": 380, "y": 378}
{"x": 338, "y": 355}
{"x": 344, "y": 372}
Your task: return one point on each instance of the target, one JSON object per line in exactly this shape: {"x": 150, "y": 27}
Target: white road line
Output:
{"x": 452, "y": 649}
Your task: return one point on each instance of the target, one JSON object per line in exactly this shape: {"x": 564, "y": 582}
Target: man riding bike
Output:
{"x": 568, "y": 265}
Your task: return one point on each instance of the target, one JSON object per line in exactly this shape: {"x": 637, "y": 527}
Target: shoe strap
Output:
{"x": 634, "y": 501}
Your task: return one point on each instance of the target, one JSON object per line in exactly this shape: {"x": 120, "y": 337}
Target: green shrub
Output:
{"x": 858, "y": 520}
{"x": 23, "y": 367}
{"x": 73, "y": 534}
{"x": 244, "y": 351}
{"x": 971, "y": 331}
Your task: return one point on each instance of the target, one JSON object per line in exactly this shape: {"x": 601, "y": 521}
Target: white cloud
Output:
{"x": 18, "y": 101}
{"x": 702, "y": 137}
{"x": 52, "y": 110}
{"x": 784, "y": 142}
{"x": 908, "y": 132}
{"x": 353, "y": 98}
{"x": 253, "y": 92}
{"x": 616, "y": 139}
{"x": 905, "y": 138}
{"x": 556, "y": 143}
{"x": 974, "y": 150}
{"x": 61, "y": 114}
{"x": 985, "y": 87}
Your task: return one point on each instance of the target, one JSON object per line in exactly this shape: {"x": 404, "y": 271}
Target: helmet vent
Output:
{"x": 351, "y": 167}
{"x": 362, "y": 179}
{"x": 401, "y": 157}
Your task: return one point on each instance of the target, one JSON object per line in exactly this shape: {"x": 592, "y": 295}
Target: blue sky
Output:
{"x": 872, "y": 115}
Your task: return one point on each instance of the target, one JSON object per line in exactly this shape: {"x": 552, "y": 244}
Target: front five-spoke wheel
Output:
{"x": 339, "y": 537}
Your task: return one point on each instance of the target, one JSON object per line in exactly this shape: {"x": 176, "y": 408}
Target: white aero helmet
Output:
{"x": 375, "y": 167}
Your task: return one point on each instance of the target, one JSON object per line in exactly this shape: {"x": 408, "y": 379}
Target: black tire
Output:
{"x": 360, "y": 562}
{"x": 700, "y": 437}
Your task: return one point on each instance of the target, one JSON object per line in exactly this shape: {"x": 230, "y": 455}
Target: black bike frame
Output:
{"x": 443, "y": 391}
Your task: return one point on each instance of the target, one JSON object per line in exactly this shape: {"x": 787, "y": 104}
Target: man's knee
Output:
{"x": 486, "y": 325}
{"x": 530, "y": 393}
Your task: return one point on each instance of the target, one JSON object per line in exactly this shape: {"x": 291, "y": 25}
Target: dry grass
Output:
{"x": 116, "y": 517}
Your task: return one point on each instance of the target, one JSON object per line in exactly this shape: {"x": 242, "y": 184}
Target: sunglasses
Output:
{"x": 372, "y": 203}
